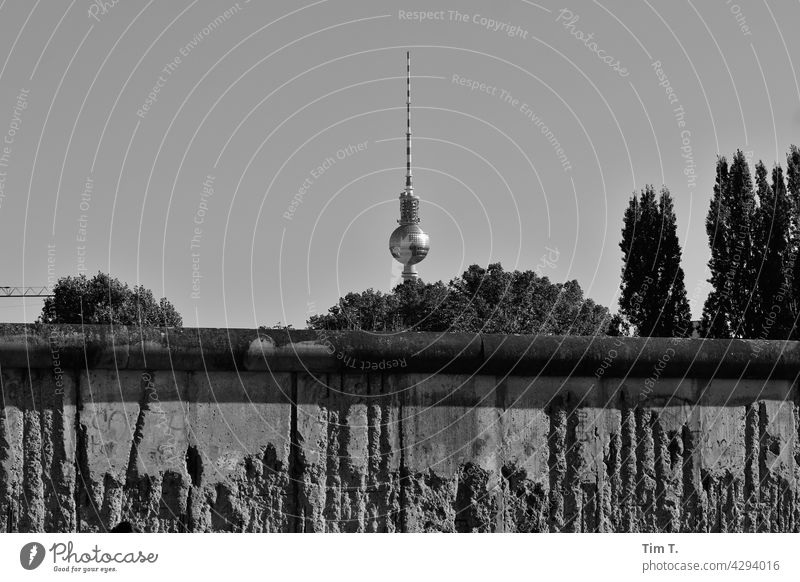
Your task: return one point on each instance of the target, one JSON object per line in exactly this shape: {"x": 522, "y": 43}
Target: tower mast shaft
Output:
{"x": 409, "y": 187}
{"x": 409, "y": 202}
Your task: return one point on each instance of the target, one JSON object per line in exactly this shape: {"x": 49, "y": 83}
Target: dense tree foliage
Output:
{"x": 793, "y": 254}
{"x": 771, "y": 314}
{"x": 481, "y": 300}
{"x": 716, "y": 222}
{"x": 104, "y": 299}
{"x": 652, "y": 292}
{"x": 730, "y": 309}
{"x": 754, "y": 235}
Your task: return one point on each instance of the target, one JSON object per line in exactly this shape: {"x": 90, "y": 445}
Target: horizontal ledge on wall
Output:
{"x": 279, "y": 350}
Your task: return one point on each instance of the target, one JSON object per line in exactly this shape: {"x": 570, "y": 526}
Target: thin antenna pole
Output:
{"x": 409, "y": 188}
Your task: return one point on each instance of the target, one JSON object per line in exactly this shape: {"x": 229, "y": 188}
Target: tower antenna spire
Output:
{"x": 409, "y": 187}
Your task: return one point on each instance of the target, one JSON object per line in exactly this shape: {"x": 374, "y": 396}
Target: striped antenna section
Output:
{"x": 409, "y": 188}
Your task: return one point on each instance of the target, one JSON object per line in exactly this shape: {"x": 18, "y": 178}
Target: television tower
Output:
{"x": 408, "y": 243}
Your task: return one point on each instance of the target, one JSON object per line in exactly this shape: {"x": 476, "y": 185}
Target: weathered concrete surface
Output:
{"x": 244, "y": 430}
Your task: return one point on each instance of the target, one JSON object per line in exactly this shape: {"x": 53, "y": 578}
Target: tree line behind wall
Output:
{"x": 754, "y": 236}
{"x": 753, "y": 228}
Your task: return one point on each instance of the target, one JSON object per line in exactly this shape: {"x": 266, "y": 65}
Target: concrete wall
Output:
{"x": 238, "y": 430}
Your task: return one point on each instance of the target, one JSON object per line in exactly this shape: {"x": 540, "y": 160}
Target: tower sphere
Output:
{"x": 409, "y": 244}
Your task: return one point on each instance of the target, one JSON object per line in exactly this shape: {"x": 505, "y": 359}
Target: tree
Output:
{"x": 714, "y": 322}
{"x": 793, "y": 258}
{"x": 367, "y": 310}
{"x": 743, "y": 269}
{"x": 772, "y": 242}
{"x": 422, "y": 306}
{"x": 729, "y": 310}
{"x": 652, "y": 290}
{"x": 763, "y": 223}
{"x": 676, "y": 316}
{"x": 489, "y": 300}
{"x": 638, "y": 223}
{"x": 104, "y": 299}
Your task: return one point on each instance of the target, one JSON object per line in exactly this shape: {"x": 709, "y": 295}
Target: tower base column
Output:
{"x": 410, "y": 273}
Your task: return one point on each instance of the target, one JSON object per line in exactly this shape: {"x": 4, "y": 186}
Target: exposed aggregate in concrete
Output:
{"x": 343, "y": 466}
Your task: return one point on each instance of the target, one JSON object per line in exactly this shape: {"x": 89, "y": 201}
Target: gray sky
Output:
{"x": 247, "y": 110}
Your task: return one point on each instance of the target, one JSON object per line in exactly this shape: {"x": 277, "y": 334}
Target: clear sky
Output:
{"x": 244, "y": 158}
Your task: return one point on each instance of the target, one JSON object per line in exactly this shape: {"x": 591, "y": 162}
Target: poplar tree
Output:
{"x": 793, "y": 255}
{"x": 762, "y": 229}
{"x": 730, "y": 309}
{"x": 715, "y": 320}
{"x": 743, "y": 274}
{"x": 652, "y": 290}
{"x": 773, "y": 243}
{"x": 676, "y": 317}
